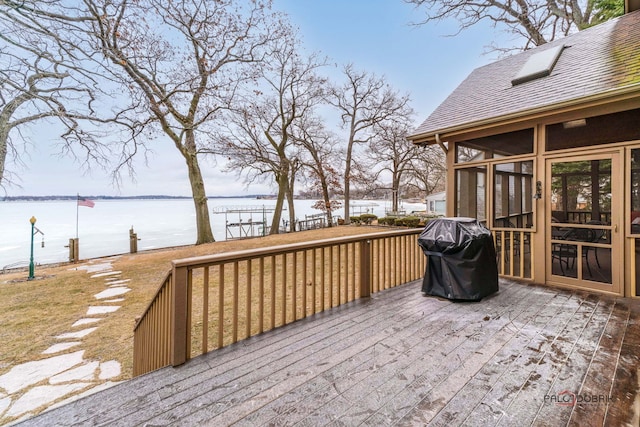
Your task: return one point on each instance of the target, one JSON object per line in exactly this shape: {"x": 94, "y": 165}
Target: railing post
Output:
{"x": 179, "y": 315}
{"x": 365, "y": 268}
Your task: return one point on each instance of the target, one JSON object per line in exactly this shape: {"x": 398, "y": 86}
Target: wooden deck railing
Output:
{"x": 515, "y": 255}
{"x": 208, "y": 302}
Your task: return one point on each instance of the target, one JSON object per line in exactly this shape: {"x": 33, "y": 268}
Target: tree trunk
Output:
{"x": 283, "y": 184}
{"x": 277, "y": 212}
{"x": 292, "y": 208}
{"x": 347, "y": 182}
{"x": 203, "y": 224}
{"x": 292, "y": 212}
{"x": 395, "y": 188}
{"x": 327, "y": 200}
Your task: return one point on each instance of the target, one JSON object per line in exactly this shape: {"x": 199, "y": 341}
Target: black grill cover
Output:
{"x": 461, "y": 259}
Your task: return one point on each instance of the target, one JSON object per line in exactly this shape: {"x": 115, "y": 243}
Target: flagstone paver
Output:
{"x": 29, "y": 373}
{"x": 112, "y": 292}
{"x": 5, "y": 401}
{"x": 117, "y": 282}
{"x": 57, "y": 348}
{"x": 101, "y": 309}
{"x": 109, "y": 370}
{"x": 41, "y": 395}
{"x": 85, "y": 321}
{"x": 84, "y": 372}
{"x": 78, "y": 334}
{"x": 109, "y": 273}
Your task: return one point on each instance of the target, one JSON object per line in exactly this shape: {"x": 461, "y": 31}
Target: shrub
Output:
{"x": 408, "y": 221}
{"x": 386, "y": 221}
{"x": 368, "y": 218}
{"x": 355, "y": 219}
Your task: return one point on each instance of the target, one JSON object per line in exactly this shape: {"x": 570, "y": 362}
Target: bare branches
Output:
{"x": 261, "y": 139}
{"x": 392, "y": 152}
{"x": 536, "y": 22}
{"x": 182, "y": 62}
{"x": 427, "y": 172}
{"x": 364, "y": 102}
{"x": 44, "y": 76}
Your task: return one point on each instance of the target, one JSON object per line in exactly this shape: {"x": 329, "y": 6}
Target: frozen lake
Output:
{"x": 104, "y": 229}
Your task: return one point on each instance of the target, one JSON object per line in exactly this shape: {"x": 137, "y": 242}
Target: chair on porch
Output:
{"x": 598, "y": 235}
{"x": 566, "y": 253}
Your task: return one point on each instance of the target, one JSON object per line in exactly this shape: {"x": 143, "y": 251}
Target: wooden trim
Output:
{"x": 365, "y": 268}
{"x": 616, "y": 229}
{"x": 202, "y": 261}
{"x": 205, "y": 311}
{"x": 220, "y": 305}
{"x": 179, "y": 316}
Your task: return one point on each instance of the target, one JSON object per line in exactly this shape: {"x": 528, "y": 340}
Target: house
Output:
{"x": 544, "y": 148}
{"x": 436, "y": 203}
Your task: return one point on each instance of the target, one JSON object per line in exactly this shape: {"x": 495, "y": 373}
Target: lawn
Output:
{"x": 33, "y": 313}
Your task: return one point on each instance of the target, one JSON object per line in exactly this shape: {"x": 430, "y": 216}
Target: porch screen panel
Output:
{"x": 581, "y": 191}
{"x": 471, "y": 193}
{"x": 513, "y": 195}
{"x": 495, "y": 146}
{"x": 635, "y": 192}
{"x": 596, "y": 130}
{"x": 634, "y": 216}
{"x": 581, "y": 194}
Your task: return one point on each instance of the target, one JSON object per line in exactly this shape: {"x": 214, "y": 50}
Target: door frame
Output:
{"x": 615, "y": 227}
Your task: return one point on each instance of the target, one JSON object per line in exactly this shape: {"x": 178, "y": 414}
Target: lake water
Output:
{"x": 104, "y": 229}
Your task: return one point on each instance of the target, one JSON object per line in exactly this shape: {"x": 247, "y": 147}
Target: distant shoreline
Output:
{"x": 146, "y": 197}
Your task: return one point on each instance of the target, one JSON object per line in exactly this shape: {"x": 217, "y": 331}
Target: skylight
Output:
{"x": 538, "y": 65}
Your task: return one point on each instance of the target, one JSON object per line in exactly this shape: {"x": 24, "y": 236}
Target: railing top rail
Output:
{"x": 201, "y": 261}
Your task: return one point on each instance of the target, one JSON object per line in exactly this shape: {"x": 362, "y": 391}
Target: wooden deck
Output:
{"x": 528, "y": 355}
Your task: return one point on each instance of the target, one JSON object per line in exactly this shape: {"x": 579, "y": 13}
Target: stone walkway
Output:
{"x": 66, "y": 375}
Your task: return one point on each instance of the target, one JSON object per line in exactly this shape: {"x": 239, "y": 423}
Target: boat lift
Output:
{"x": 365, "y": 208}
{"x": 245, "y": 227}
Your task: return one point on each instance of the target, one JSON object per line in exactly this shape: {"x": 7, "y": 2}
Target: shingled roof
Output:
{"x": 600, "y": 61}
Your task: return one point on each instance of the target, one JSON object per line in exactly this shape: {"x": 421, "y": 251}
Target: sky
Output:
{"x": 427, "y": 62}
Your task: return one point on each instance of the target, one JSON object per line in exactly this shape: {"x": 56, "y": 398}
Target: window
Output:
{"x": 538, "y": 65}
{"x": 513, "y": 194}
{"x": 584, "y": 132}
{"x": 495, "y": 146}
{"x": 581, "y": 191}
{"x": 634, "y": 205}
{"x": 471, "y": 193}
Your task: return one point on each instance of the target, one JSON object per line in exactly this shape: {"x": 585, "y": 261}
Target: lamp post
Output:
{"x": 31, "y": 266}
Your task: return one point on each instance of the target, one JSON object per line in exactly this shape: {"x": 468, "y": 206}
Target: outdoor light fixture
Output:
{"x": 31, "y": 265}
{"x": 574, "y": 123}
{"x": 538, "y": 194}
{"x": 34, "y": 231}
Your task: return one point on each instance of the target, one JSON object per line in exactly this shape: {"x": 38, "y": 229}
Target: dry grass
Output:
{"x": 33, "y": 313}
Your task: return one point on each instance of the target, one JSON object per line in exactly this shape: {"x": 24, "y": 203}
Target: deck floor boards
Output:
{"x": 399, "y": 358}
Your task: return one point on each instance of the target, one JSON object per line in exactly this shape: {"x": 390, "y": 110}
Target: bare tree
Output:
{"x": 180, "y": 63}
{"x": 392, "y": 152}
{"x": 44, "y": 79}
{"x": 363, "y": 102}
{"x": 427, "y": 173}
{"x": 260, "y": 142}
{"x": 318, "y": 155}
{"x": 535, "y": 21}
